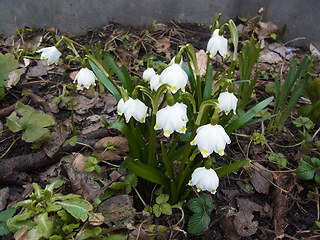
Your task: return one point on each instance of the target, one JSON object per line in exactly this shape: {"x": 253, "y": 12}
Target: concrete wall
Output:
{"x": 77, "y": 16}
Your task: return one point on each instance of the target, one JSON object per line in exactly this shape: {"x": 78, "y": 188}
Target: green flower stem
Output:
{"x": 203, "y": 106}
{"x": 193, "y": 58}
{"x": 69, "y": 43}
{"x": 152, "y": 142}
{"x": 10, "y": 146}
{"x": 189, "y": 96}
{"x": 184, "y": 172}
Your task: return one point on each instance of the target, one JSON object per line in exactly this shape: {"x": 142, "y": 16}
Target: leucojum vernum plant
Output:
{"x": 178, "y": 122}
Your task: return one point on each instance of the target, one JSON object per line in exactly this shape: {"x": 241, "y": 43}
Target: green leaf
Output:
{"x": 162, "y": 198}
{"x": 225, "y": 170}
{"x": 87, "y": 233}
{"x": 131, "y": 180}
{"x": 166, "y": 208}
{"x": 198, "y": 223}
{"x": 149, "y": 173}
{"x": 157, "y": 210}
{"x": 45, "y": 225}
{"x": 245, "y": 118}
{"x": 56, "y": 184}
{"x": 8, "y": 63}
{"x": 127, "y": 83}
{"x": 71, "y": 141}
{"x": 115, "y": 237}
{"x": 78, "y": 208}
{"x": 6, "y": 214}
{"x": 104, "y": 78}
{"x": 14, "y": 123}
{"x": 4, "y": 229}
{"x": 305, "y": 171}
{"x": 208, "y": 87}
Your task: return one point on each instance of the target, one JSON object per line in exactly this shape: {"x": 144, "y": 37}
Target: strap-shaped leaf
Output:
{"x": 45, "y": 225}
{"x": 127, "y": 83}
{"x": 105, "y": 80}
{"x": 208, "y": 87}
{"x": 245, "y": 118}
{"x": 231, "y": 168}
{"x": 56, "y": 184}
{"x": 78, "y": 208}
{"x": 146, "y": 172}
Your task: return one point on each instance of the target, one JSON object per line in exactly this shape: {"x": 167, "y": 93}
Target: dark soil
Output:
{"x": 283, "y": 210}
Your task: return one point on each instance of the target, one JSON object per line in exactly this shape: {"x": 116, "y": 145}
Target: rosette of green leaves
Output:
{"x": 51, "y": 215}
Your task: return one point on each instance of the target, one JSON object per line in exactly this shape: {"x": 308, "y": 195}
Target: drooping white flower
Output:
{"x": 216, "y": 44}
{"x": 50, "y": 54}
{"x": 204, "y": 179}
{"x": 155, "y": 82}
{"x": 227, "y": 102}
{"x": 148, "y": 74}
{"x": 211, "y": 138}
{"x": 132, "y": 108}
{"x": 175, "y": 77}
{"x": 85, "y": 77}
{"x": 172, "y": 118}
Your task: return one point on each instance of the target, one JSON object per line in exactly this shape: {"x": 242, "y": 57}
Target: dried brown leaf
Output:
{"x": 244, "y": 225}
{"x": 265, "y": 29}
{"x": 261, "y": 178}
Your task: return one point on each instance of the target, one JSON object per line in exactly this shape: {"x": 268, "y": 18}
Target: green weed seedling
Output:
{"x": 309, "y": 169}
{"x": 54, "y": 216}
{"x": 258, "y": 138}
{"x": 201, "y": 208}
{"x": 279, "y": 158}
{"x": 162, "y": 206}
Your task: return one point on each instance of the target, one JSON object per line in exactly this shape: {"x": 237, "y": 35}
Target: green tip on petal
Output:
{"x": 166, "y": 132}
{"x": 205, "y": 153}
{"x": 221, "y": 151}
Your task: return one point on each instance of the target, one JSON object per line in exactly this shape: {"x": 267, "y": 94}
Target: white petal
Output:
{"x": 148, "y": 74}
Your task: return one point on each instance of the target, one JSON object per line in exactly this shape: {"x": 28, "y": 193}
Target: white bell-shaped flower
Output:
{"x": 211, "y": 138}
{"x": 50, "y": 54}
{"x": 155, "y": 82}
{"x": 175, "y": 77}
{"x": 148, "y": 74}
{"x": 172, "y": 118}
{"x": 204, "y": 180}
{"x": 216, "y": 44}
{"x": 85, "y": 77}
{"x": 132, "y": 108}
{"x": 227, "y": 102}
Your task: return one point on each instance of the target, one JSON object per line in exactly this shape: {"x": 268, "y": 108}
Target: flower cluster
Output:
{"x": 173, "y": 75}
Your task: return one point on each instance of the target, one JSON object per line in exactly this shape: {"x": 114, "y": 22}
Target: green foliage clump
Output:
{"x": 309, "y": 169}
{"x": 49, "y": 215}
{"x": 201, "y": 208}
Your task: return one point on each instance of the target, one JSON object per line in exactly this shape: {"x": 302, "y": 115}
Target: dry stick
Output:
{"x": 15, "y": 168}
{"x": 28, "y": 96}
